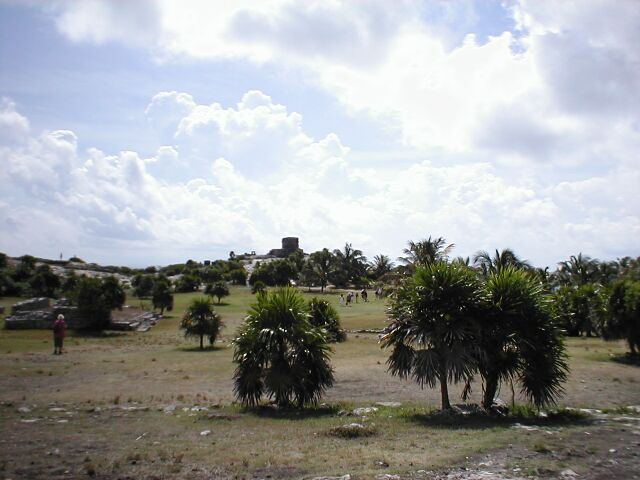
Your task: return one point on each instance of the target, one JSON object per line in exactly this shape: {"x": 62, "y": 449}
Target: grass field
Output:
{"x": 137, "y": 404}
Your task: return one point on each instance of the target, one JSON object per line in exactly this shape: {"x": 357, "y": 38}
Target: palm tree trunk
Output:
{"x": 491, "y": 386}
{"x": 444, "y": 390}
{"x": 201, "y": 345}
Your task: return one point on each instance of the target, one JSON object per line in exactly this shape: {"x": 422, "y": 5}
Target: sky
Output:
{"x": 152, "y": 132}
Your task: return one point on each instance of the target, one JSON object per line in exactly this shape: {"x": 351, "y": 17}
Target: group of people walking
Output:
{"x": 348, "y": 299}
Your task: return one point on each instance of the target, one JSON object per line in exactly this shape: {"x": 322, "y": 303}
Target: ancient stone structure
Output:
{"x": 289, "y": 245}
{"x": 30, "y": 305}
{"x": 38, "y": 313}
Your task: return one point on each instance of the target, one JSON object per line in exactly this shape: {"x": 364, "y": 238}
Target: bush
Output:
{"x": 324, "y": 315}
{"x": 280, "y": 353}
{"x": 258, "y": 287}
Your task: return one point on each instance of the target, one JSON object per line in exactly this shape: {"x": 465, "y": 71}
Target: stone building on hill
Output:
{"x": 289, "y": 245}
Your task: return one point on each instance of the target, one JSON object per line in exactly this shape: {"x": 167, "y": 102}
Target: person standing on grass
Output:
{"x": 59, "y": 332}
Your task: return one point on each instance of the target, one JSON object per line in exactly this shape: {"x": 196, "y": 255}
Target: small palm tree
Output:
{"x": 501, "y": 259}
{"x": 519, "y": 339}
{"x": 279, "y": 353}
{"x": 324, "y": 315}
{"x": 201, "y": 320}
{"x": 425, "y": 252}
{"x": 433, "y": 330}
{"x": 578, "y": 270}
{"x": 380, "y": 266}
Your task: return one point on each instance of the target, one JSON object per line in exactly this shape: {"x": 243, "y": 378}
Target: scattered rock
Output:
{"x": 343, "y": 477}
{"x": 364, "y": 410}
{"x": 568, "y": 474}
{"x": 387, "y": 476}
{"x": 204, "y": 433}
{"x": 29, "y": 420}
{"x": 529, "y": 428}
{"x": 24, "y": 410}
{"x": 389, "y": 404}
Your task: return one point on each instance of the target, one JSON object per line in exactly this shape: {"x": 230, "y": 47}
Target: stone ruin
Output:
{"x": 38, "y": 313}
{"x": 289, "y": 245}
{"x": 141, "y": 322}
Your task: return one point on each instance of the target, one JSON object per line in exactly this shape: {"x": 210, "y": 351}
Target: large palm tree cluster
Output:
{"x": 447, "y": 325}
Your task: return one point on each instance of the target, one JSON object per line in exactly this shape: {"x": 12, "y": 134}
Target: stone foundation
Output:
{"x": 31, "y": 305}
{"x": 37, "y": 313}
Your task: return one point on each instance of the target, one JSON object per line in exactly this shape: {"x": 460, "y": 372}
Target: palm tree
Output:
{"x": 350, "y": 263}
{"x": 380, "y": 266}
{"x": 322, "y": 314}
{"x": 321, "y": 263}
{"x": 425, "y": 252}
{"x": 279, "y": 353}
{"x": 501, "y": 259}
{"x": 607, "y": 272}
{"x": 201, "y": 320}
{"x": 519, "y": 340}
{"x": 578, "y": 270}
{"x": 434, "y": 326}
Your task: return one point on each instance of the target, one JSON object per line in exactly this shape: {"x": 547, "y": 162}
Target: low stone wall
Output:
{"x": 32, "y": 304}
{"x": 28, "y": 320}
{"x": 43, "y": 319}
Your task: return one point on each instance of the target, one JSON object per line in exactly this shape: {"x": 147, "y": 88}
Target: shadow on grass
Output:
{"x": 99, "y": 333}
{"x": 290, "y": 413}
{"x": 481, "y": 420}
{"x": 197, "y": 349}
{"x": 627, "y": 359}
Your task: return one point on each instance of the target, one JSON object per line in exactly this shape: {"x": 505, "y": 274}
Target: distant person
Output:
{"x": 342, "y": 300}
{"x": 356, "y": 297}
{"x": 364, "y": 295}
{"x": 349, "y": 298}
{"x": 59, "y": 332}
